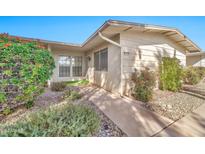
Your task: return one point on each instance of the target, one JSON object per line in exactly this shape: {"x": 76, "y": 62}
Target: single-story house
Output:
{"x": 117, "y": 49}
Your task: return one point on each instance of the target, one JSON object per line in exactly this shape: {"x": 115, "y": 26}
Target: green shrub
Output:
{"x": 170, "y": 74}
{"x": 193, "y": 75}
{"x": 67, "y": 120}
{"x": 190, "y": 76}
{"x": 200, "y": 71}
{"x": 58, "y": 86}
{"x": 24, "y": 67}
{"x": 29, "y": 104}
{"x": 72, "y": 95}
{"x": 144, "y": 83}
{"x": 2, "y": 98}
{"x": 6, "y": 111}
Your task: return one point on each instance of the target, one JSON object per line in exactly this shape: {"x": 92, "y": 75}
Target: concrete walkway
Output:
{"x": 192, "y": 125}
{"x": 133, "y": 119}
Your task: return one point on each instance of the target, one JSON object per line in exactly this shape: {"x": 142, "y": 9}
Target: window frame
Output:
{"x": 99, "y": 62}
{"x": 62, "y": 74}
{"x": 71, "y": 74}
{"x": 78, "y": 60}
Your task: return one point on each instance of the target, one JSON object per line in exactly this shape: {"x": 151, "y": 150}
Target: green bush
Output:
{"x": 72, "y": 95}
{"x": 24, "y": 68}
{"x": 170, "y": 74}
{"x": 193, "y": 75}
{"x": 58, "y": 86}
{"x": 144, "y": 83}
{"x": 200, "y": 71}
{"x": 67, "y": 120}
{"x": 29, "y": 104}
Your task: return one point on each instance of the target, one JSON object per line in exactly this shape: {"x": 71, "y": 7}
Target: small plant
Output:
{"x": 58, "y": 86}
{"x": 72, "y": 95}
{"x": 29, "y": 104}
{"x": 193, "y": 75}
{"x": 64, "y": 120}
{"x": 200, "y": 71}
{"x": 170, "y": 74}
{"x": 144, "y": 83}
{"x": 6, "y": 111}
{"x": 2, "y": 98}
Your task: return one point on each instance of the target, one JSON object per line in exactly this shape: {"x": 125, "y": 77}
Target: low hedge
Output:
{"x": 67, "y": 120}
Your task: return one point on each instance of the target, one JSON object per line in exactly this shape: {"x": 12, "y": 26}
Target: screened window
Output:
{"x": 68, "y": 62}
{"x": 101, "y": 60}
{"x": 64, "y": 66}
{"x": 96, "y": 61}
{"x": 77, "y": 66}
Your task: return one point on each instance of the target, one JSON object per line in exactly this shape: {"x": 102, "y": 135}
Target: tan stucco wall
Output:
{"x": 143, "y": 49}
{"x": 196, "y": 60}
{"x": 138, "y": 50}
{"x": 56, "y": 54}
{"x": 109, "y": 80}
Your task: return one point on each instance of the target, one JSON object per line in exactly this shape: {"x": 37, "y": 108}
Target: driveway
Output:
{"x": 130, "y": 117}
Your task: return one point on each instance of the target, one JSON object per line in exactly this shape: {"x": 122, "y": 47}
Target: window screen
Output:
{"x": 64, "y": 66}
{"x": 77, "y": 66}
{"x": 101, "y": 60}
{"x": 97, "y": 61}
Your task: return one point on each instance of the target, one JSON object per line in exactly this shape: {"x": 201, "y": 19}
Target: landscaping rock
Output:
{"x": 173, "y": 105}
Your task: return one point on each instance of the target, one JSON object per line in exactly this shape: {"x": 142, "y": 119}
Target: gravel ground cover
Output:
{"x": 107, "y": 129}
{"x": 173, "y": 105}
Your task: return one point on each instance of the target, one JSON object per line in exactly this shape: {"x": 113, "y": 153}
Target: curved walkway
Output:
{"x": 130, "y": 117}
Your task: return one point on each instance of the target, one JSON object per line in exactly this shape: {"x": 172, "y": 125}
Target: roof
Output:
{"x": 196, "y": 54}
{"x": 172, "y": 33}
{"x": 113, "y": 27}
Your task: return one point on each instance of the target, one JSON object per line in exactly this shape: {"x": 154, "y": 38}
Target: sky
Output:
{"x": 77, "y": 29}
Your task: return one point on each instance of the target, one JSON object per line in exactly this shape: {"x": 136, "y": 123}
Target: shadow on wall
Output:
{"x": 143, "y": 63}
{"x": 109, "y": 80}
{"x": 162, "y": 53}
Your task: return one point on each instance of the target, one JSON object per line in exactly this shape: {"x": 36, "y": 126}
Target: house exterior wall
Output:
{"x": 109, "y": 80}
{"x": 138, "y": 50}
{"x": 56, "y": 55}
{"x": 144, "y": 49}
{"x": 196, "y": 60}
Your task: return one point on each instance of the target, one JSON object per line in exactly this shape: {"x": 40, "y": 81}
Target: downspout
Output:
{"x": 121, "y": 55}
{"x": 109, "y": 40}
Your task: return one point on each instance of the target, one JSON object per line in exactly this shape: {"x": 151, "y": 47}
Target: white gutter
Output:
{"x": 121, "y": 56}
{"x": 109, "y": 40}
